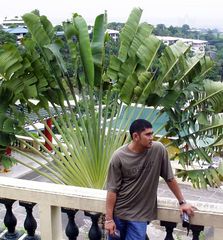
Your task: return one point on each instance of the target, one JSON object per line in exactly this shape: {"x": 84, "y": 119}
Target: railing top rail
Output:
{"x": 55, "y": 194}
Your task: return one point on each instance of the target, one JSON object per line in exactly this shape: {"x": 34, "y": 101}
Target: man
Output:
{"x": 132, "y": 184}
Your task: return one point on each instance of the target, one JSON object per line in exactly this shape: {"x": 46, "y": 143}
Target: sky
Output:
{"x": 195, "y": 13}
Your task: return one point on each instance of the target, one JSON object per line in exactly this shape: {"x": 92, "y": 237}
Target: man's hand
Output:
{"x": 188, "y": 208}
{"x": 110, "y": 203}
{"x": 110, "y": 227}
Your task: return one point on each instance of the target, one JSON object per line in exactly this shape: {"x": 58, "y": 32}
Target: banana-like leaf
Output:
{"x": 200, "y": 178}
{"x": 191, "y": 68}
{"x": 128, "y": 33}
{"x": 36, "y": 28}
{"x": 47, "y": 26}
{"x": 169, "y": 60}
{"x": 144, "y": 30}
{"x": 214, "y": 91}
{"x": 85, "y": 49}
{"x": 128, "y": 88}
{"x": 148, "y": 51}
{"x": 97, "y": 46}
{"x": 55, "y": 49}
{"x": 10, "y": 61}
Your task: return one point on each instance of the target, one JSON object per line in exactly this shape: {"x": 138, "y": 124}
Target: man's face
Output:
{"x": 145, "y": 138}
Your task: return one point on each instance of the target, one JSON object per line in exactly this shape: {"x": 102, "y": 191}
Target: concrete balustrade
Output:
{"x": 51, "y": 197}
{"x": 23, "y": 143}
{"x": 20, "y": 143}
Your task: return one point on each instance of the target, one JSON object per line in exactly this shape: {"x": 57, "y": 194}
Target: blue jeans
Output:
{"x": 130, "y": 230}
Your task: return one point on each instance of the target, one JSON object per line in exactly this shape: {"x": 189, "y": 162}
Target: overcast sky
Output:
{"x": 196, "y": 13}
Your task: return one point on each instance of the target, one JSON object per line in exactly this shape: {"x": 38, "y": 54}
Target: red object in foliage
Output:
{"x": 8, "y": 151}
{"x": 48, "y": 134}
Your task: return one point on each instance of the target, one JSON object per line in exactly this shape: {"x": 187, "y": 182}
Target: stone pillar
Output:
{"x": 50, "y": 216}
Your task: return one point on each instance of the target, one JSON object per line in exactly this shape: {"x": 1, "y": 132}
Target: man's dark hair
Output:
{"x": 139, "y": 125}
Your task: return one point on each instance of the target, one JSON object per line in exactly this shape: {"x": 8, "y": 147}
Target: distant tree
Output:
{"x": 58, "y": 28}
{"x": 115, "y": 26}
{"x": 185, "y": 29}
{"x": 161, "y": 30}
{"x": 173, "y": 30}
{"x": 210, "y": 35}
{"x": 215, "y": 73}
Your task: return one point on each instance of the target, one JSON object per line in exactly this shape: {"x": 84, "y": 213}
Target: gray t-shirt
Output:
{"x": 135, "y": 177}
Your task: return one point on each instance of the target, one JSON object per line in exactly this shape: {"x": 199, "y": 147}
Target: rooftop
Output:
{"x": 17, "y": 30}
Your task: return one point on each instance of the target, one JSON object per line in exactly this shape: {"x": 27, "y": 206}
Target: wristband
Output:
{"x": 109, "y": 221}
{"x": 182, "y": 202}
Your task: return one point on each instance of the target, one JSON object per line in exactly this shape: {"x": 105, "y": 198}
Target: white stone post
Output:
{"x": 50, "y": 222}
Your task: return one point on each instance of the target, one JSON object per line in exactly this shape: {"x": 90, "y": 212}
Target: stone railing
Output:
{"x": 23, "y": 143}
{"x": 52, "y": 199}
{"x": 21, "y": 140}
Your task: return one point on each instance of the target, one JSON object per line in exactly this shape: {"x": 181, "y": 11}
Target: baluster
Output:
{"x": 10, "y": 221}
{"x": 72, "y": 230}
{"x": 30, "y": 223}
{"x": 196, "y": 230}
{"x": 94, "y": 232}
{"x": 169, "y": 229}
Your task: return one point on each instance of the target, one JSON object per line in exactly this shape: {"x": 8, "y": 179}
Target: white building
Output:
{"x": 197, "y": 46}
{"x": 114, "y": 34}
{"x": 6, "y": 23}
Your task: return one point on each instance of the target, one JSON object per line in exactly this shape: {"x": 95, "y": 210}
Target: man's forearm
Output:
{"x": 110, "y": 204}
{"x": 184, "y": 207}
{"x": 174, "y": 187}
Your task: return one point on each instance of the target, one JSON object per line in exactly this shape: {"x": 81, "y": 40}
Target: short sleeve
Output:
{"x": 166, "y": 169}
{"x": 114, "y": 177}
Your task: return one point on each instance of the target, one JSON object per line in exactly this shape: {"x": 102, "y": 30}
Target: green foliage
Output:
{"x": 213, "y": 49}
{"x": 200, "y": 126}
{"x": 115, "y": 26}
{"x": 7, "y": 161}
{"x": 143, "y": 71}
{"x": 6, "y": 37}
{"x": 58, "y": 28}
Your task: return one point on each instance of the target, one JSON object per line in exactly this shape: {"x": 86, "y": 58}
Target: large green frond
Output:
{"x": 85, "y": 49}
{"x": 128, "y": 33}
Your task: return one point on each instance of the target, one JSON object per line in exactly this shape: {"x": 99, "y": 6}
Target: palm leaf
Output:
{"x": 85, "y": 49}
{"x": 128, "y": 33}
{"x": 97, "y": 46}
{"x": 36, "y": 28}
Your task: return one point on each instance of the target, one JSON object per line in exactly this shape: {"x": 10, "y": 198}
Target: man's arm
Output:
{"x": 174, "y": 187}
{"x": 110, "y": 204}
{"x": 184, "y": 207}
